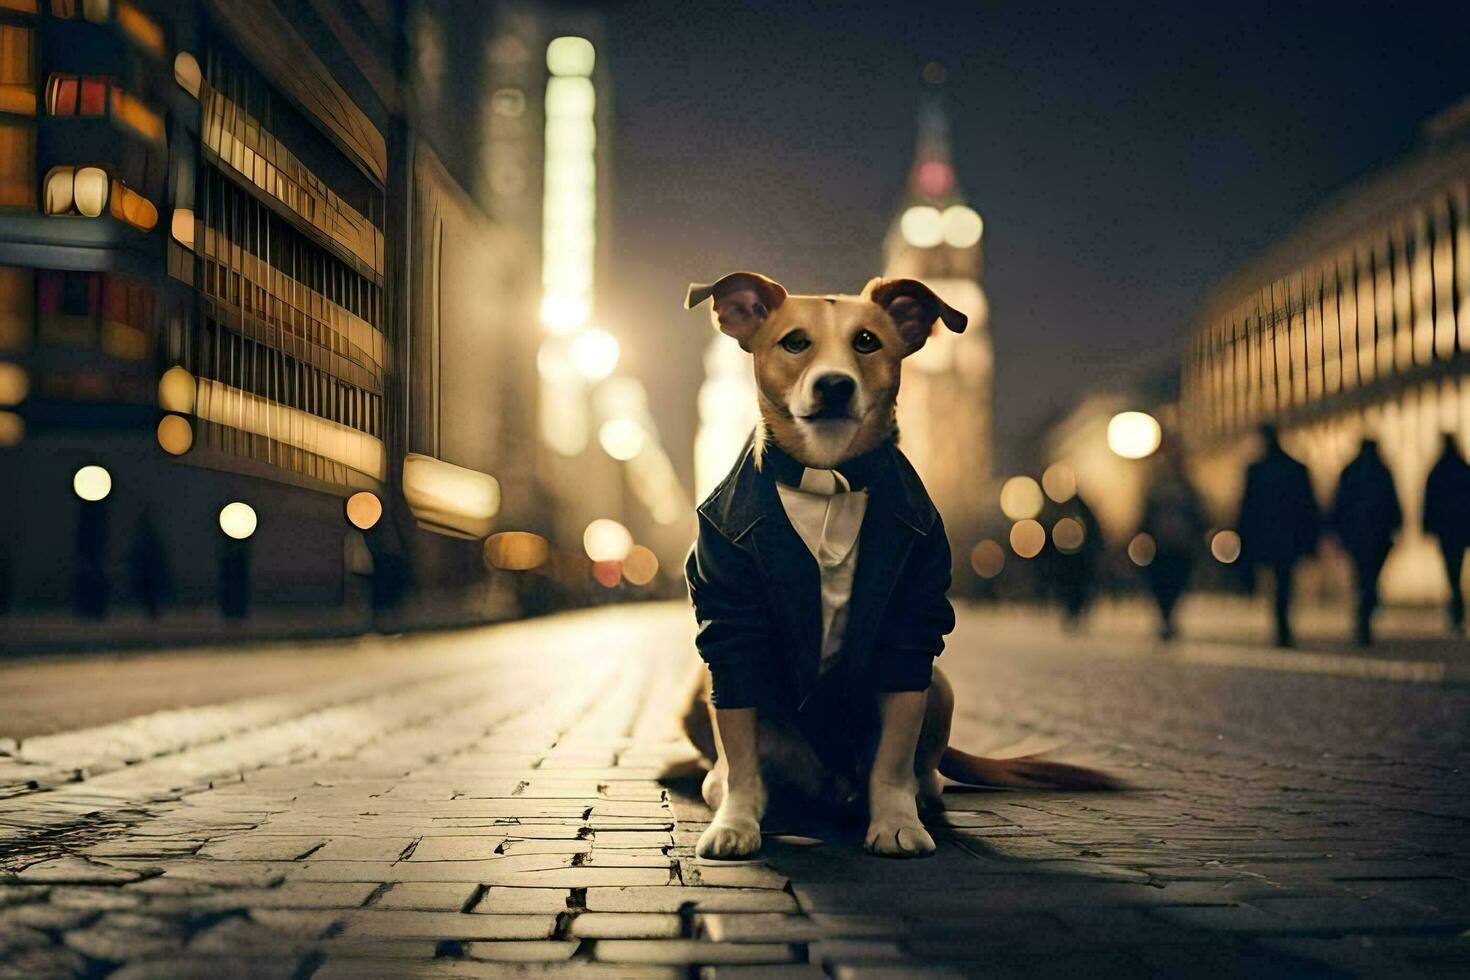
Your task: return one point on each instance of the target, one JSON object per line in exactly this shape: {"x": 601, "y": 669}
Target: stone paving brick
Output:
{"x": 260, "y": 847}
{"x": 773, "y": 971}
{"x": 699, "y": 872}
{"x": 747, "y": 927}
{"x": 77, "y": 871}
{"x": 522, "y": 951}
{"x": 633, "y": 838}
{"x": 95, "y": 898}
{"x": 305, "y": 923}
{"x": 370, "y": 923}
{"x": 626, "y": 925}
{"x": 46, "y": 916}
{"x": 830, "y": 952}
{"x": 638, "y": 899}
{"x": 689, "y": 951}
{"x": 118, "y": 945}
{"x": 501, "y": 898}
{"x": 427, "y": 896}
{"x": 363, "y": 849}
{"x": 456, "y": 848}
{"x": 224, "y": 967}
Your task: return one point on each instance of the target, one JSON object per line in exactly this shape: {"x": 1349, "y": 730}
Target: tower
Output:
{"x": 944, "y": 404}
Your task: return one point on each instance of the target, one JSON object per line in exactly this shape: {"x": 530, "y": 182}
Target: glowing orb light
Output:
{"x": 237, "y": 520}
{"x": 988, "y": 559}
{"x": 1020, "y": 498}
{"x": 641, "y": 565}
{"x": 516, "y": 551}
{"x": 364, "y": 509}
{"x": 1225, "y": 546}
{"x": 1068, "y": 535}
{"x": 607, "y": 540}
{"x": 1134, "y": 435}
{"x": 1141, "y": 550}
{"x": 92, "y": 483}
{"x": 175, "y": 435}
{"x": 1028, "y": 537}
{"x": 622, "y": 439}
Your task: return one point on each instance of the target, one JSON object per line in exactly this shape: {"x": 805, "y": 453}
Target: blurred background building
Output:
{"x": 297, "y": 312}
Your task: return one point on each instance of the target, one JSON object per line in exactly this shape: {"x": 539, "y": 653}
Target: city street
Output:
{"x": 487, "y": 802}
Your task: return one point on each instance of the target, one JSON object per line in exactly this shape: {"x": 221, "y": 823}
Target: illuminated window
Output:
{"x": 20, "y": 6}
{"x": 141, "y": 28}
{"x": 17, "y": 166}
{"x": 17, "y": 307}
{"x": 87, "y": 95}
{"x": 17, "y": 70}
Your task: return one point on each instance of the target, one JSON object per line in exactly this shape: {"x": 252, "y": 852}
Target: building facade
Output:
{"x": 1356, "y": 326}
{"x": 266, "y": 275}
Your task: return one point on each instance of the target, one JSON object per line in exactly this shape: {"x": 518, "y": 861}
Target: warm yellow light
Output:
{"x": 595, "y": 354}
{"x": 562, "y": 313}
{"x": 1068, "y": 535}
{"x": 1141, "y": 550}
{"x": 622, "y": 439}
{"x": 1225, "y": 546}
{"x": 92, "y": 483}
{"x": 450, "y": 499}
{"x": 58, "y": 190}
{"x": 988, "y": 559}
{"x": 182, "y": 227}
{"x": 962, "y": 226}
{"x": 1020, "y": 498}
{"x": 606, "y": 540}
{"x": 1059, "y": 482}
{"x": 187, "y": 73}
{"x": 922, "y": 226}
{"x": 237, "y": 520}
{"x": 364, "y": 509}
{"x": 15, "y": 383}
{"x": 570, "y": 56}
{"x": 1134, "y": 435}
{"x": 516, "y": 551}
{"x": 90, "y": 188}
{"x": 640, "y": 566}
{"x": 12, "y": 429}
{"x": 175, "y": 435}
{"x": 570, "y": 97}
{"x": 1028, "y": 538}
{"x": 176, "y": 390}
{"x": 608, "y": 573}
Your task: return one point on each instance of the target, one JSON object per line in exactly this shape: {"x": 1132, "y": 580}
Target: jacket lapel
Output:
{"x": 883, "y": 546}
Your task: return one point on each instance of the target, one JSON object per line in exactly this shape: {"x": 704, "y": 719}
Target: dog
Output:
{"x": 819, "y": 580}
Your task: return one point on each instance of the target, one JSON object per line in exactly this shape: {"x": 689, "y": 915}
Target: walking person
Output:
{"x": 1174, "y": 518}
{"x": 1279, "y": 523}
{"x": 1366, "y": 515}
{"x": 1447, "y": 517}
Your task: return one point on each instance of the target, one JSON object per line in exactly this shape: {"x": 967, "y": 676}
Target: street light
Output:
{"x": 607, "y": 540}
{"x": 92, "y": 483}
{"x": 1134, "y": 435}
{"x": 1020, "y": 498}
{"x": 622, "y": 439}
{"x": 595, "y": 354}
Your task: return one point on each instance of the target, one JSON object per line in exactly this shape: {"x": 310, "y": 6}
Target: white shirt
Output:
{"x": 828, "y": 514}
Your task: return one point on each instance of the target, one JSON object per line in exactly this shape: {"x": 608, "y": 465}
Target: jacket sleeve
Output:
{"x": 736, "y": 632}
{"x": 919, "y": 616}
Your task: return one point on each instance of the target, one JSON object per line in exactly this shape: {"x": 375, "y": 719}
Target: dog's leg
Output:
{"x": 894, "y": 828}
{"x": 734, "y": 788}
{"x": 933, "y": 740}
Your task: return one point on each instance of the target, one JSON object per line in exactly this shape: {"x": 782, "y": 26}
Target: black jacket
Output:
{"x": 1279, "y": 522}
{"x": 756, "y": 588}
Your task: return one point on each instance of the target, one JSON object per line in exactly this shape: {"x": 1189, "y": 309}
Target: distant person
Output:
{"x": 1279, "y": 524}
{"x": 1447, "y": 517}
{"x": 1365, "y": 516}
{"x": 1074, "y": 551}
{"x": 1174, "y": 518}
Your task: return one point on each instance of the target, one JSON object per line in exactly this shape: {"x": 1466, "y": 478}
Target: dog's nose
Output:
{"x": 835, "y": 390}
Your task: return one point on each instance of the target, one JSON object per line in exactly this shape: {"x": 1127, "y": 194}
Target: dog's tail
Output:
{"x": 1024, "y": 772}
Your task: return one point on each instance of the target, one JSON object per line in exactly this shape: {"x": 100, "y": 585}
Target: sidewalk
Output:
{"x": 492, "y": 807}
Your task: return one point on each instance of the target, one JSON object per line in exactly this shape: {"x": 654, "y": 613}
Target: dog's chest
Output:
{"x": 828, "y": 517}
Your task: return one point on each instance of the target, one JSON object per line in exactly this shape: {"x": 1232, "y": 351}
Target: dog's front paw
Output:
{"x": 894, "y": 828}
{"x": 729, "y": 839}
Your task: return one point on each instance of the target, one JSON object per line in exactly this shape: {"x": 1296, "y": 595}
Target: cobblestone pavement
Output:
{"x": 486, "y": 803}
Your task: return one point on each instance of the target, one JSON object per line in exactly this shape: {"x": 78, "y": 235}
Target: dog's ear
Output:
{"x": 743, "y": 300}
{"x": 914, "y": 308}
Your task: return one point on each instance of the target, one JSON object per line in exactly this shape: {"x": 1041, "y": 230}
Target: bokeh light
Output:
{"x": 641, "y": 565}
{"x": 1141, "y": 550}
{"x": 570, "y": 55}
{"x": 516, "y": 551}
{"x": 12, "y": 429}
{"x": 622, "y": 439}
{"x": 92, "y": 483}
{"x": 595, "y": 354}
{"x": 1134, "y": 435}
{"x": 922, "y": 226}
{"x": 988, "y": 558}
{"x": 962, "y": 226}
{"x": 1060, "y": 482}
{"x": 181, "y": 226}
{"x": 15, "y": 383}
{"x": 1020, "y": 498}
{"x": 1225, "y": 546}
{"x": 1068, "y": 535}
{"x": 175, "y": 435}
{"x": 1028, "y": 537}
{"x": 364, "y": 509}
{"x": 237, "y": 520}
{"x": 607, "y": 573}
{"x": 607, "y": 540}
{"x": 176, "y": 390}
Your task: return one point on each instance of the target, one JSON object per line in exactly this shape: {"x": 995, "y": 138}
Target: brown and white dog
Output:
{"x": 827, "y": 373}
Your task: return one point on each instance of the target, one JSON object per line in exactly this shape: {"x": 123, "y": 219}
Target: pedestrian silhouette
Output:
{"x": 1174, "y": 518}
{"x": 1447, "y": 517}
{"x": 1072, "y": 558}
{"x": 1365, "y": 516}
{"x": 1279, "y": 524}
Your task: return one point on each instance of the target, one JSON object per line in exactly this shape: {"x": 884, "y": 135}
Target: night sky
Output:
{"x": 1123, "y": 162}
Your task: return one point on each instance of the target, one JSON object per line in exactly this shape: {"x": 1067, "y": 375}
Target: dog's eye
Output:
{"x": 795, "y": 342}
{"x": 865, "y": 342}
